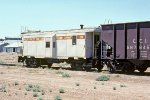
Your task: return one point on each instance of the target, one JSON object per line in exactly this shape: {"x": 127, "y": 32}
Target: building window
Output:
{"x": 47, "y": 44}
{"x": 54, "y": 44}
{"x": 74, "y": 40}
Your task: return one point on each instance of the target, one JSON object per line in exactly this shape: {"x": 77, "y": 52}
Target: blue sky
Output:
{"x": 65, "y": 14}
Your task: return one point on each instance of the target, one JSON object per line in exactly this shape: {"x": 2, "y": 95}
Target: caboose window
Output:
{"x": 47, "y": 44}
{"x": 74, "y": 40}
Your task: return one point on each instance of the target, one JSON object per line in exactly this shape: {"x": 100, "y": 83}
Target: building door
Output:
{"x": 14, "y": 49}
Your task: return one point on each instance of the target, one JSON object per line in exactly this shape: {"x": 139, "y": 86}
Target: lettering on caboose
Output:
{"x": 69, "y": 37}
{"x": 34, "y": 39}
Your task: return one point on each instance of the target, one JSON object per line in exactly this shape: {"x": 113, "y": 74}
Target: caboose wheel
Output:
{"x": 99, "y": 66}
{"x": 111, "y": 66}
{"x": 76, "y": 66}
{"x": 142, "y": 69}
{"x": 50, "y": 65}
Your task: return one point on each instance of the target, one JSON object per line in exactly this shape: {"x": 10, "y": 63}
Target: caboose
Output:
{"x": 77, "y": 47}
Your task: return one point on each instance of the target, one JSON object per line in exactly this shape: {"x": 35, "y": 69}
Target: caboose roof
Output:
{"x": 89, "y": 29}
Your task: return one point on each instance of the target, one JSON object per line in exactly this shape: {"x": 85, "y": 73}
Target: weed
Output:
{"x": 114, "y": 88}
{"x": 117, "y": 75}
{"x": 102, "y": 78}
{"x": 122, "y": 85}
{"x": 102, "y": 83}
{"x": 42, "y": 92}
{"x": 16, "y": 83}
{"x": 19, "y": 88}
{"x": 4, "y": 90}
{"x": 25, "y": 93}
{"x": 77, "y": 84}
{"x": 59, "y": 72}
{"x": 61, "y": 90}
{"x": 57, "y": 98}
{"x": 50, "y": 90}
{"x": 33, "y": 71}
{"x": 94, "y": 87}
{"x": 35, "y": 94}
{"x": 66, "y": 75}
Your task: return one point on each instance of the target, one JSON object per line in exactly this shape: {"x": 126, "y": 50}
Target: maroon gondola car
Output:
{"x": 126, "y": 46}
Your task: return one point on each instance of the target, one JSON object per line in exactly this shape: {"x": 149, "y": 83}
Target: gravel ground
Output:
{"x": 80, "y": 85}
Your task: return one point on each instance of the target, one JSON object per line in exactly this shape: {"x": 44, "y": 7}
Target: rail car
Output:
{"x": 126, "y": 46}
{"x": 122, "y": 47}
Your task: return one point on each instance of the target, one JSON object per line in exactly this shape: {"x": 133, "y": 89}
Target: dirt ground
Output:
{"x": 79, "y": 85}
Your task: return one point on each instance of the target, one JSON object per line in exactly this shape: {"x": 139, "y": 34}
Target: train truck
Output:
{"x": 126, "y": 46}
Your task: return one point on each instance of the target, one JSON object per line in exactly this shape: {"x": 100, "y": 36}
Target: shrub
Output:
{"x": 40, "y": 98}
{"x": 3, "y": 88}
{"x": 57, "y": 98}
{"x": 1, "y": 62}
{"x": 61, "y": 90}
{"x": 102, "y": 83}
{"x": 77, "y": 84}
{"x": 94, "y": 87}
{"x": 34, "y": 88}
{"x": 59, "y": 72}
{"x": 102, "y": 78}
{"x": 35, "y": 94}
{"x": 30, "y": 85}
{"x": 66, "y": 75}
{"x": 27, "y": 88}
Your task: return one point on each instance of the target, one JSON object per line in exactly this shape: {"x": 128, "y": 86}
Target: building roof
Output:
{"x": 12, "y": 38}
{"x": 1, "y": 43}
{"x": 16, "y": 44}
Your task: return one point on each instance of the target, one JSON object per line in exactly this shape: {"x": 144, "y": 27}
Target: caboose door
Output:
{"x": 48, "y": 47}
{"x": 54, "y": 47}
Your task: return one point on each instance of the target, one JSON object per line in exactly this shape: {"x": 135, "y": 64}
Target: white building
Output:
{"x": 2, "y": 44}
{"x": 13, "y": 47}
{"x": 10, "y": 44}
